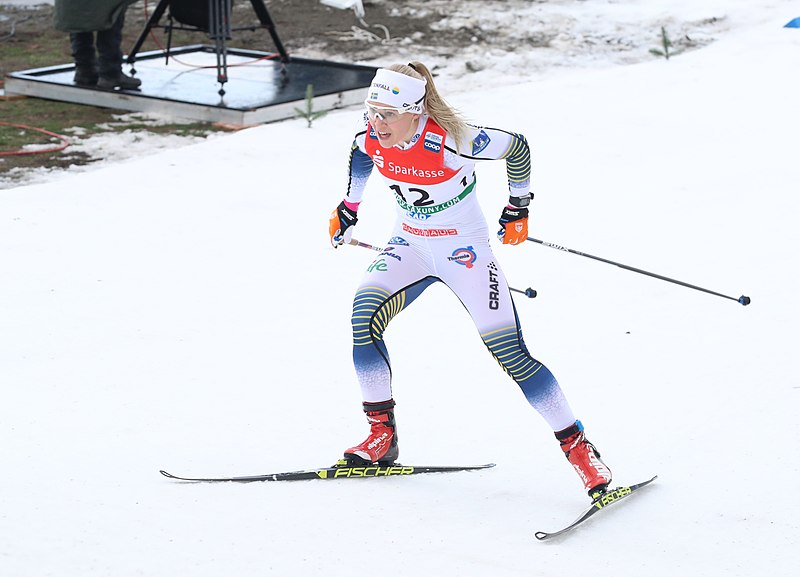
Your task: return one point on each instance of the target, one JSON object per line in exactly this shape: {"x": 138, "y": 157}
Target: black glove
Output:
{"x": 341, "y": 224}
{"x": 514, "y": 221}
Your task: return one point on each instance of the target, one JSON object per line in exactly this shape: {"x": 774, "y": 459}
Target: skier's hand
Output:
{"x": 341, "y": 223}
{"x": 514, "y": 221}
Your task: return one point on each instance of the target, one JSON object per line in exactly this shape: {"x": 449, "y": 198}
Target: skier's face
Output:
{"x": 392, "y": 126}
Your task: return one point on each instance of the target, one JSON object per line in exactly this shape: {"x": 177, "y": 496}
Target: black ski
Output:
{"x": 341, "y": 470}
{"x": 602, "y": 502}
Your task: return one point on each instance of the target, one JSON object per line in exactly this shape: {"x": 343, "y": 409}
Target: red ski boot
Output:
{"x": 585, "y": 459}
{"x": 381, "y": 444}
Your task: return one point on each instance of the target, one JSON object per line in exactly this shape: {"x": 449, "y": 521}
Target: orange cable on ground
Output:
{"x": 64, "y": 141}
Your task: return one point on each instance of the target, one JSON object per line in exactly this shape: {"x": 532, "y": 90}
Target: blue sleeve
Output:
{"x": 360, "y": 169}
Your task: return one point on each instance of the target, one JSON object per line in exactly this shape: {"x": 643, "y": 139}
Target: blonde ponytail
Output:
{"x": 437, "y": 107}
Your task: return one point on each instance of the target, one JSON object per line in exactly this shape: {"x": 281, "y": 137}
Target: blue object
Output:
{"x": 793, "y": 23}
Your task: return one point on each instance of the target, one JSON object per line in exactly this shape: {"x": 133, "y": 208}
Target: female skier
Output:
{"x": 427, "y": 152}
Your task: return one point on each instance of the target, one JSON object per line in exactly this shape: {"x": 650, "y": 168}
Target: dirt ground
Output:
{"x": 306, "y": 28}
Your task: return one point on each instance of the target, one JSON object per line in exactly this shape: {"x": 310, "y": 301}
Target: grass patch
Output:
{"x": 28, "y": 40}
{"x": 76, "y": 122}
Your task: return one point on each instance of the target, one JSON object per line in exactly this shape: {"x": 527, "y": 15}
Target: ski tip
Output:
{"x": 168, "y": 475}
{"x": 541, "y": 536}
{"x": 650, "y": 480}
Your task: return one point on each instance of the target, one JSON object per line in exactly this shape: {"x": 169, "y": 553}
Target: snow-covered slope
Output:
{"x": 184, "y": 311}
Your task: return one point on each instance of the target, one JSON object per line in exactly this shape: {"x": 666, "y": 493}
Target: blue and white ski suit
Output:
{"x": 441, "y": 236}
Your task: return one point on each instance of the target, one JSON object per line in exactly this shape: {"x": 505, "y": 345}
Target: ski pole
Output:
{"x": 355, "y": 242}
{"x": 743, "y": 300}
{"x": 528, "y": 292}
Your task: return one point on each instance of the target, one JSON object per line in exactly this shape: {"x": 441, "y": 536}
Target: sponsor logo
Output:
{"x": 386, "y": 252}
{"x": 557, "y": 246}
{"x": 612, "y": 496}
{"x": 432, "y": 141}
{"x": 378, "y": 266}
{"x": 464, "y": 256}
{"x": 428, "y": 210}
{"x": 377, "y": 159}
{"x": 372, "y": 134}
{"x": 378, "y": 442}
{"x": 494, "y": 287}
{"x": 398, "y": 240}
{"x": 430, "y": 232}
{"x": 416, "y": 215}
{"x": 395, "y": 90}
{"x": 437, "y": 138}
{"x": 480, "y": 142}
{"x": 373, "y": 471}
{"x": 413, "y": 171}
{"x": 381, "y": 86}
{"x": 580, "y": 472}
{"x": 599, "y": 466}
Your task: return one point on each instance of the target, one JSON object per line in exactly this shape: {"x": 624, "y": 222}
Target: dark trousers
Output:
{"x": 101, "y": 50}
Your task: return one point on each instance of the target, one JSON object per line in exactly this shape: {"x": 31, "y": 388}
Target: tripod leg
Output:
{"x": 220, "y": 30}
{"x": 266, "y": 21}
{"x": 154, "y": 18}
{"x": 169, "y": 41}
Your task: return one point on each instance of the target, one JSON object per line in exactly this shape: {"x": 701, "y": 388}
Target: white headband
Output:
{"x": 397, "y": 90}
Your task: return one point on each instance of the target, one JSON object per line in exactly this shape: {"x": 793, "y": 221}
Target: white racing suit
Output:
{"x": 441, "y": 236}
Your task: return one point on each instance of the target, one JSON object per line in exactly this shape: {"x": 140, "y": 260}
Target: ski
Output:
{"x": 598, "y": 504}
{"x": 341, "y": 470}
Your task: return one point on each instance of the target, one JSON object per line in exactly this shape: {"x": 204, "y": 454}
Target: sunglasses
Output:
{"x": 385, "y": 113}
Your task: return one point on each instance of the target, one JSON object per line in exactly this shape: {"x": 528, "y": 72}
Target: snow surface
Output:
{"x": 184, "y": 311}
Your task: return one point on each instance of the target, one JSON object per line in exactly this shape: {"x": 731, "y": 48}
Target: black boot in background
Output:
{"x": 85, "y": 57}
{"x": 109, "y": 52}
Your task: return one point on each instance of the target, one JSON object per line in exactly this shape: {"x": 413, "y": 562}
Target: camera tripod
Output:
{"x": 216, "y": 21}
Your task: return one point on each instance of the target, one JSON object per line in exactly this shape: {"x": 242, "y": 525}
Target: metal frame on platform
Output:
{"x": 268, "y": 86}
{"x": 261, "y": 99}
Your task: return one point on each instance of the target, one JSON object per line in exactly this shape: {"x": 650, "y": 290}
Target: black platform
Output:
{"x": 260, "y": 88}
